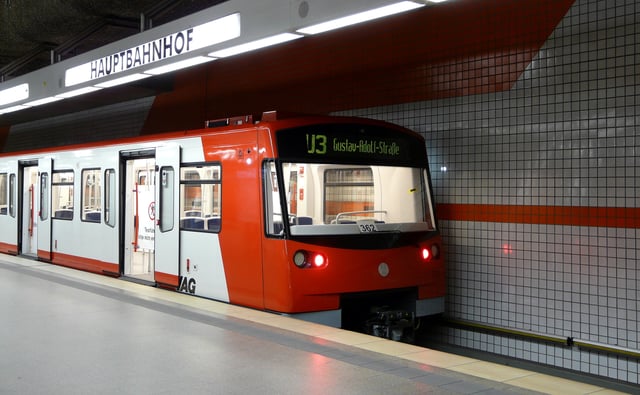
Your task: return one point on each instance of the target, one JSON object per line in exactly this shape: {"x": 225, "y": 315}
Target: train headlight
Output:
{"x": 435, "y": 250}
{"x": 300, "y": 259}
{"x": 306, "y": 259}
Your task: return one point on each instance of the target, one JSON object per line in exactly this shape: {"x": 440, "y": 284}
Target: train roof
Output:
{"x": 270, "y": 119}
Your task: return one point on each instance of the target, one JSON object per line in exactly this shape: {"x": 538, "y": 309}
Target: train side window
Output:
{"x": 12, "y": 195}
{"x": 44, "y": 194}
{"x": 110, "y": 197}
{"x": 3, "y": 194}
{"x": 62, "y": 194}
{"x": 273, "y": 209}
{"x": 167, "y": 187}
{"x": 91, "y": 195}
{"x": 200, "y": 197}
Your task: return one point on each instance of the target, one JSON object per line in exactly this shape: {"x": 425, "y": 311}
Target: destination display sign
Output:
{"x": 351, "y": 143}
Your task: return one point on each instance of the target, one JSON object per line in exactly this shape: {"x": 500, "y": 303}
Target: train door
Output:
{"x": 27, "y": 209}
{"x": 139, "y": 217}
{"x": 8, "y": 208}
{"x": 44, "y": 207}
{"x": 167, "y": 211}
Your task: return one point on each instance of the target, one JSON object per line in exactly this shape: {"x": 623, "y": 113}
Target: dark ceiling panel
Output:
{"x": 31, "y": 29}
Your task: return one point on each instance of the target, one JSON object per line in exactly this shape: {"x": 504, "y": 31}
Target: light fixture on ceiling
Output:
{"x": 12, "y": 109}
{"x": 122, "y": 80}
{"x": 40, "y": 102}
{"x": 78, "y": 92}
{"x": 257, "y": 44}
{"x": 182, "y": 64}
{"x": 216, "y": 32}
{"x": 14, "y": 94}
{"x": 360, "y": 17}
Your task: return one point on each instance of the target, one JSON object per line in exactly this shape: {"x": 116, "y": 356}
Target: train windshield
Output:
{"x": 348, "y": 178}
{"x": 326, "y": 199}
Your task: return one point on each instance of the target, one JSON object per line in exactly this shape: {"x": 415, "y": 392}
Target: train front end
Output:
{"x": 352, "y": 202}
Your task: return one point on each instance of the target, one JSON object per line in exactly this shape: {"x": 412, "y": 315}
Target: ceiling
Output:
{"x": 33, "y": 33}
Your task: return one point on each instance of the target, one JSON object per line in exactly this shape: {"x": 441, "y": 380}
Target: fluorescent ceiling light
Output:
{"x": 216, "y": 32}
{"x": 14, "y": 94}
{"x": 360, "y": 17}
{"x": 183, "y": 64}
{"x": 43, "y": 101}
{"x": 253, "y": 45}
{"x": 78, "y": 92}
{"x": 122, "y": 80}
{"x": 12, "y": 109}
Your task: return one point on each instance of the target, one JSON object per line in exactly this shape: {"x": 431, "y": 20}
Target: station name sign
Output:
{"x": 146, "y": 54}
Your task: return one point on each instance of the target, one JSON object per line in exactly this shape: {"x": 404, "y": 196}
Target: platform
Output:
{"x": 69, "y": 332}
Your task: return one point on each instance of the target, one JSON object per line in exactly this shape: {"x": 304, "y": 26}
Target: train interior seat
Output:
{"x": 304, "y": 221}
{"x": 213, "y": 223}
{"x": 93, "y": 216}
{"x": 65, "y": 213}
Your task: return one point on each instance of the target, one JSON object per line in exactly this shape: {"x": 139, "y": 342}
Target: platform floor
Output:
{"x": 64, "y": 331}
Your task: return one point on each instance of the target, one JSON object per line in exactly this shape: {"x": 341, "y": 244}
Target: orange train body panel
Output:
{"x": 82, "y": 263}
{"x": 166, "y": 280}
{"x": 348, "y": 271}
{"x": 240, "y": 239}
{"x": 8, "y": 248}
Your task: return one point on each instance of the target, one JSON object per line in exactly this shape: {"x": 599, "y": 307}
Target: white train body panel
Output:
{"x": 202, "y": 268}
{"x": 79, "y": 238}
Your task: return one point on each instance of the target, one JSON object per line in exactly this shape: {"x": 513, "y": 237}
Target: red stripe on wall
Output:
{"x": 608, "y": 217}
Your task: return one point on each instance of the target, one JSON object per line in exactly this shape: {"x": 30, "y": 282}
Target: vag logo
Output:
{"x": 187, "y": 285}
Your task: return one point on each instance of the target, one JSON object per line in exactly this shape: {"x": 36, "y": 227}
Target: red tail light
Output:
{"x": 307, "y": 259}
{"x": 429, "y": 253}
{"x": 426, "y": 254}
{"x": 318, "y": 260}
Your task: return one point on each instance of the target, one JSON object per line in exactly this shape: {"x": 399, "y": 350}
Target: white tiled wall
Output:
{"x": 566, "y": 134}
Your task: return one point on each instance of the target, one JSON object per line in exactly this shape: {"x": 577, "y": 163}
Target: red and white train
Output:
{"x": 317, "y": 217}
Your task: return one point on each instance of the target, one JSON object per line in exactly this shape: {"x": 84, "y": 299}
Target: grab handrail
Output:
{"x": 359, "y": 212}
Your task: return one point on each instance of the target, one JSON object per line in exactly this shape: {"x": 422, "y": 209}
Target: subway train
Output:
{"x": 330, "y": 219}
